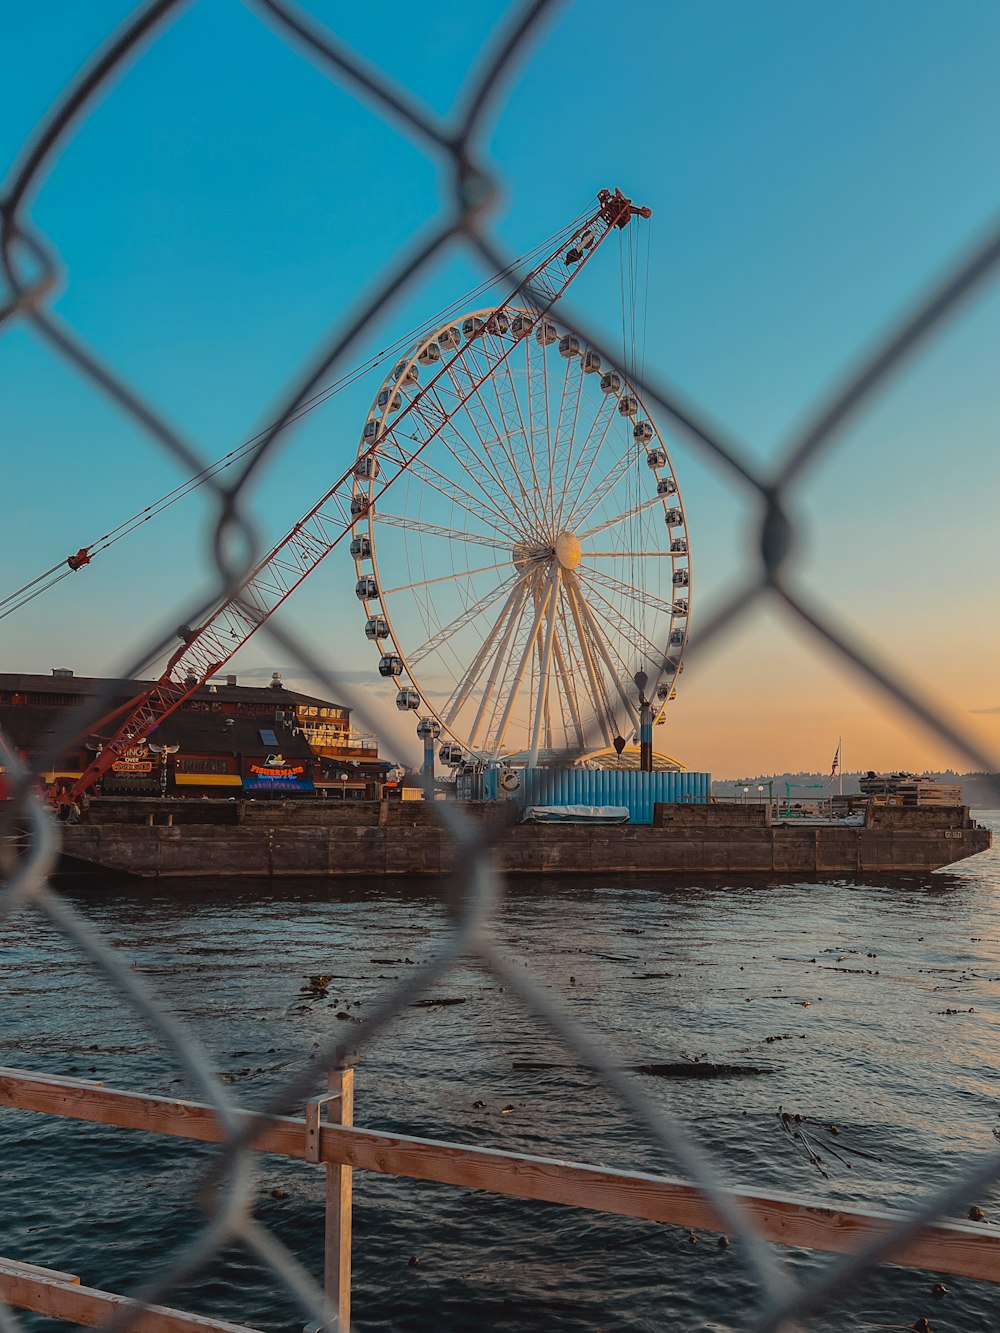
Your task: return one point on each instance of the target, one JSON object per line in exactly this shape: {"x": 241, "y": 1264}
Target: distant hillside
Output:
{"x": 976, "y": 787}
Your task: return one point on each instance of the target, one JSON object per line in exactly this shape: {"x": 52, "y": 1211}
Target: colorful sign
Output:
{"x": 267, "y": 771}
{"x": 133, "y": 760}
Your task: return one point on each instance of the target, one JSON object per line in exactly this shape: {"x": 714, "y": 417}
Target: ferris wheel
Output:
{"x": 532, "y": 560}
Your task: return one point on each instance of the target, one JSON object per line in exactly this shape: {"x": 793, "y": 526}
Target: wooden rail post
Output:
{"x": 339, "y": 1197}
{"x": 339, "y": 1103}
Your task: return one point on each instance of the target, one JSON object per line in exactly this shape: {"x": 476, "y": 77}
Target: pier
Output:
{"x": 234, "y": 839}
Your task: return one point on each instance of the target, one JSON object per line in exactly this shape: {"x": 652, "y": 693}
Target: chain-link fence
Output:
{"x": 31, "y": 843}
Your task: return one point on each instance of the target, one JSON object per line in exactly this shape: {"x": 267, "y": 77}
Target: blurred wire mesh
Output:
{"x": 32, "y": 274}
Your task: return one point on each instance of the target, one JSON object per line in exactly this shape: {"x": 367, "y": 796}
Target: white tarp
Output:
{"x": 575, "y": 814}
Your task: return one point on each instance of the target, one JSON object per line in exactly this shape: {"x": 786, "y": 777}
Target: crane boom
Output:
{"x": 206, "y": 648}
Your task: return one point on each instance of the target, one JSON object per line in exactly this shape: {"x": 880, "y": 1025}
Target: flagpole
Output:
{"x": 840, "y": 766}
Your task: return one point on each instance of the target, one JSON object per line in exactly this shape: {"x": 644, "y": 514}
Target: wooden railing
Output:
{"x": 341, "y": 1147}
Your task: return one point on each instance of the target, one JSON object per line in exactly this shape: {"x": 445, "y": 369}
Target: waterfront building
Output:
{"x": 227, "y": 739}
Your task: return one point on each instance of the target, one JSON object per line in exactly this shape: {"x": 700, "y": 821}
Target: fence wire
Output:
{"x": 32, "y": 273}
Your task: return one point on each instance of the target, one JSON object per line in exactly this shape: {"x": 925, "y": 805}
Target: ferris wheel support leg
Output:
{"x": 516, "y": 612}
{"x": 602, "y": 650}
{"x": 568, "y": 689}
{"x": 544, "y": 669}
{"x": 522, "y": 667}
{"x": 588, "y": 660}
{"x": 427, "y": 771}
{"x": 479, "y": 661}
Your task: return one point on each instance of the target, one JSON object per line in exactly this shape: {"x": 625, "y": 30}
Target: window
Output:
{"x": 267, "y": 736}
{"x": 202, "y": 766}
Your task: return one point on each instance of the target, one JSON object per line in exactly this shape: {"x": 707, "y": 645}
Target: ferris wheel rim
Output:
{"x": 393, "y": 387}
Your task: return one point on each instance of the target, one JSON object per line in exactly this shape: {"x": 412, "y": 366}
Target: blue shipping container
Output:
{"x": 638, "y": 792}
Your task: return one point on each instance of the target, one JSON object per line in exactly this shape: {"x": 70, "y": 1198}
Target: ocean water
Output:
{"x": 869, "y": 1005}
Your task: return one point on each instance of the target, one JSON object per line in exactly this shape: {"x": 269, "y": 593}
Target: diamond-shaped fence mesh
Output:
{"x": 30, "y": 846}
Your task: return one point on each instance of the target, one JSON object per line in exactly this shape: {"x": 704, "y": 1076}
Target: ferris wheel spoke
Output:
{"x": 468, "y": 389}
{"x": 408, "y": 453}
{"x": 625, "y": 628}
{"x": 458, "y": 495}
{"x": 516, "y": 429}
{"x": 482, "y": 459}
{"x": 437, "y": 530}
{"x": 487, "y": 433}
{"x": 444, "y": 578}
{"x": 594, "y": 443}
{"x": 623, "y": 517}
{"x": 579, "y": 514}
{"x": 463, "y": 619}
{"x": 630, "y": 555}
{"x": 650, "y": 600}
{"x": 531, "y": 436}
{"x": 559, "y": 430}
{"x": 567, "y": 429}
{"x": 540, "y": 410}
{"x": 478, "y": 465}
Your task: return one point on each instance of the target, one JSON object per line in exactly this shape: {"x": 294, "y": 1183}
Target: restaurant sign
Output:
{"x": 133, "y": 760}
{"x": 269, "y": 771}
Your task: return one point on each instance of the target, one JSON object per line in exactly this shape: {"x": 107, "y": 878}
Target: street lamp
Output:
{"x": 760, "y": 791}
{"x": 746, "y": 791}
{"x": 343, "y": 789}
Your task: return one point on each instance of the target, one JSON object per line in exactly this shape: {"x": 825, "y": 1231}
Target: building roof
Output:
{"x": 118, "y": 689}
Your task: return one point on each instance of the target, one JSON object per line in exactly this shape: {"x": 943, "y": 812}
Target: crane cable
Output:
{"x": 29, "y": 591}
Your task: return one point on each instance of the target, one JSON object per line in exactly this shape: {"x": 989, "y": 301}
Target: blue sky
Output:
{"x": 810, "y": 169}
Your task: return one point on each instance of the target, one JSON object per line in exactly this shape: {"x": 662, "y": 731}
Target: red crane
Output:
{"x": 206, "y": 648}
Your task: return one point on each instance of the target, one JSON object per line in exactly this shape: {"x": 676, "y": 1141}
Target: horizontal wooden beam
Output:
{"x": 60, "y": 1296}
{"x": 944, "y": 1247}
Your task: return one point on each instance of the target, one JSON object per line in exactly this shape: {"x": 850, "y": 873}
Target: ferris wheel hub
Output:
{"x": 567, "y": 550}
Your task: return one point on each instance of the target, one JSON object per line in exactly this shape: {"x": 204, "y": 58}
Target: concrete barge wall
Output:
{"x": 302, "y": 839}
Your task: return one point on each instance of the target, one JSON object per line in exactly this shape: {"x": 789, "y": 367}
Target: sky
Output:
{"x": 811, "y": 170}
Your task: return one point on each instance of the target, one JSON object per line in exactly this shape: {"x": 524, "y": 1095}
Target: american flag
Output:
{"x": 836, "y": 762}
